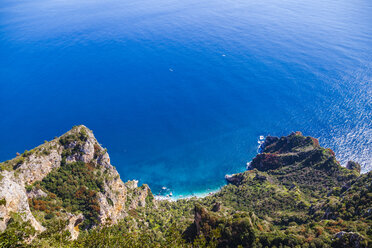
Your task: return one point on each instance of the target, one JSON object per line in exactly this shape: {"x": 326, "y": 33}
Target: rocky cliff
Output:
{"x": 69, "y": 177}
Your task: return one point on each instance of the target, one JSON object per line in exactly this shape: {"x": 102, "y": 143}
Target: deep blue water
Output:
{"x": 179, "y": 91}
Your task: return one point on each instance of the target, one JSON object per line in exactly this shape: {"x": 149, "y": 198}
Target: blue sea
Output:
{"x": 180, "y": 91}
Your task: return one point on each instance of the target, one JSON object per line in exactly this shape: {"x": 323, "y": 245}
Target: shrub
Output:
{"x": 49, "y": 216}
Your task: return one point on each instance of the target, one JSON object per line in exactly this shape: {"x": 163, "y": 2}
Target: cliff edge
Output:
{"x": 70, "y": 178}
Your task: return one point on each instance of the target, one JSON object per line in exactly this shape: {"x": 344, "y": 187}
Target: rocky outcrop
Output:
{"x": 77, "y": 145}
{"x": 230, "y": 228}
{"x": 73, "y": 225}
{"x": 349, "y": 239}
{"x": 139, "y": 196}
{"x": 14, "y": 197}
{"x": 235, "y": 179}
{"x": 40, "y": 162}
{"x": 351, "y": 165}
{"x": 297, "y": 150}
{"x": 36, "y": 193}
{"x": 278, "y": 152}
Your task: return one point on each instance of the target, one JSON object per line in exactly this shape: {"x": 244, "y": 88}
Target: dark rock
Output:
{"x": 260, "y": 178}
{"x": 349, "y": 239}
{"x": 235, "y": 179}
{"x": 293, "y": 186}
{"x": 345, "y": 187}
{"x": 265, "y": 161}
{"x": 296, "y": 150}
{"x": 272, "y": 161}
{"x": 233, "y": 232}
{"x": 270, "y": 140}
{"x": 290, "y": 143}
{"x": 216, "y": 207}
{"x": 351, "y": 165}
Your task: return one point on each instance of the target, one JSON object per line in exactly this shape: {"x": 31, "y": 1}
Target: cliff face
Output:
{"x": 35, "y": 183}
{"x": 14, "y": 200}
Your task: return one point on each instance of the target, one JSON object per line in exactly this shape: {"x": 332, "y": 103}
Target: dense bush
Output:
{"x": 16, "y": 232}
{"x": 77, "y": 186}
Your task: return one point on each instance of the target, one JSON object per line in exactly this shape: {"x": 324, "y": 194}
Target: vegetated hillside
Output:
{"x": 295, "y": 194}
{"x": 65, "y": 186}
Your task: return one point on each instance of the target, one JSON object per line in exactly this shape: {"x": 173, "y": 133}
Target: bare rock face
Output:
{"x": 73, "y": 225}
{"x": 14, "y": 196}
{"x": 139, "y": 195}
{"x": 132, "y": 184}
{"x": 77, "y": 145}
{"x": 235, "y": 179}
{"x": 85, "y": 149}
{"x": 39, "y": 164}
{"x": 112, "y": 202}
{"x": 36, "y": 193}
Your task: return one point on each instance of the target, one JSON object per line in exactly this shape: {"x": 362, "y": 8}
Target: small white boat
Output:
{"x": 170, "y": 194}
{"x": 262, "y": 137}
{"x": 164, "y": 188}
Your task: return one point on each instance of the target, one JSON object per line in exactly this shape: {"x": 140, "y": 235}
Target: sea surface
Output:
{"x": 180, "y": 91}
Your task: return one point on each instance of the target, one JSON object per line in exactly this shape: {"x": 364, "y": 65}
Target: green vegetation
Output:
{"x": 295, "y": 194}
{"x": 73, "y": 137}
{"x": 15, "y": 234}
{"x": 77, "y": 186}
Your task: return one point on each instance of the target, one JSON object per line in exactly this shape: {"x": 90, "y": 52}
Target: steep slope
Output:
{"x": 294, "y": 194}
{"x": 301, "y": 194}
{"x": 69, "y": 178}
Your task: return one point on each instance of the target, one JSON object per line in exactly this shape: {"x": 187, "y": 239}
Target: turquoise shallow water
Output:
{"x": 179, "y": 91}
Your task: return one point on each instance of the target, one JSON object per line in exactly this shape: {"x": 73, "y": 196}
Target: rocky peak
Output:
{"x": 351, "y": 165}
{"x": 75, "y": 158}
{"x": 295, "y": 142}
{"x": 294, "y": 149}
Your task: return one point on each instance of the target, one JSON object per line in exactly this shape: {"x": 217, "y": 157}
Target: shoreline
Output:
{"x": 187, "y": 197}
{"x": 202, "y": 194}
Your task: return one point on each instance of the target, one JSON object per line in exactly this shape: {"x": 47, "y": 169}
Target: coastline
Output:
{"x": 197, "y": 195}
